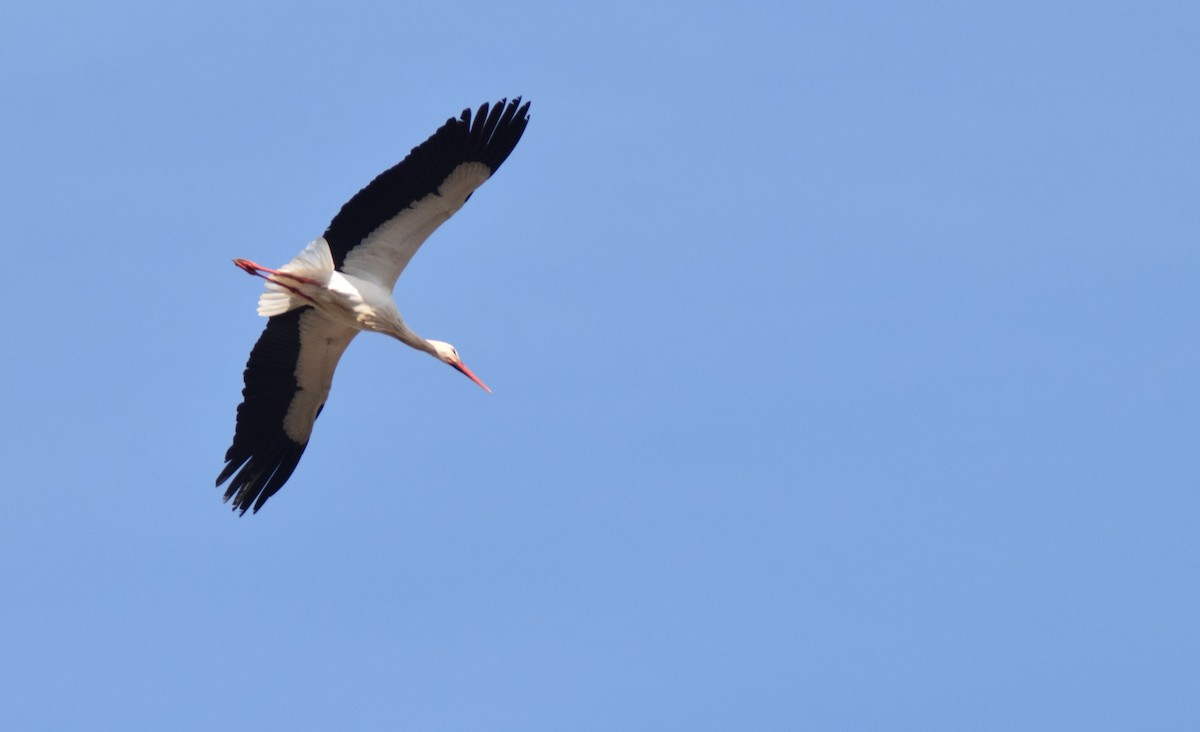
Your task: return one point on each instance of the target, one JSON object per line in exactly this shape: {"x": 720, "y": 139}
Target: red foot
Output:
{"x": 249, "y": 267}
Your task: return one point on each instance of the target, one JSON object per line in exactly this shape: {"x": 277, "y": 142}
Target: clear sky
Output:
{"x": 845, "y": 364}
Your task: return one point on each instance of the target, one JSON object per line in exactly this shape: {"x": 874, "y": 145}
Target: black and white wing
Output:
{"x": 287, "y": 382}
{"x": 378, "y": 230}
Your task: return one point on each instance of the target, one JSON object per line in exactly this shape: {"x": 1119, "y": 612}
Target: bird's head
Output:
{"x": 449, "y": 355}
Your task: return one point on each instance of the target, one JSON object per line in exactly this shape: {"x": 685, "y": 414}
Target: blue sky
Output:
{"x": 844, "y": 359}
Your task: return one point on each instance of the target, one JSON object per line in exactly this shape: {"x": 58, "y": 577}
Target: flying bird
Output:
{"x": 342, "y": 284}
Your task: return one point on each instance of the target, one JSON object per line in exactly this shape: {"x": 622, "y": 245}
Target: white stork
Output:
{"x": 342, "y": 284}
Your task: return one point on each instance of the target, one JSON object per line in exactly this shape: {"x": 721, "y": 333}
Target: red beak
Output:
{"x": 462, "y": 367}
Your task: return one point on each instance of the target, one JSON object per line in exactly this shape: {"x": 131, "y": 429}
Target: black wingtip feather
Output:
{"x": 262, "y": 474}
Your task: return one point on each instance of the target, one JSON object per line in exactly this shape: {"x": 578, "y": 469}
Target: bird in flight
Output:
{"x": 342, "y": 284}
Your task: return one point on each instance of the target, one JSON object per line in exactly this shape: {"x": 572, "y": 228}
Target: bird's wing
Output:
{"x": 287, "y": 381}
{"x": 378, "y": 230}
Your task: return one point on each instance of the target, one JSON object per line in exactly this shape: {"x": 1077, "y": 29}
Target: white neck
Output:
{"x": 388, "y": 320}
{"x": 406, "y": 336}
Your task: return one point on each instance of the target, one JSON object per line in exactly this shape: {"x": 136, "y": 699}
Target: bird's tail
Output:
{"x": 314, "y": 264}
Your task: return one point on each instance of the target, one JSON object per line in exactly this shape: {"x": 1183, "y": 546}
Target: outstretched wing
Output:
{"x": 287, "y": 381}
{"x": 378, "y": 230}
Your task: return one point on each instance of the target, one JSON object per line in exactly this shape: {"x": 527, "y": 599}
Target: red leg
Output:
{"x": 257, "y": 270}
{"x": 291, "y": 289}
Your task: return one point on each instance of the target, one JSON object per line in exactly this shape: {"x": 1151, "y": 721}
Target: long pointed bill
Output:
{"x": 462, "y": 367}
